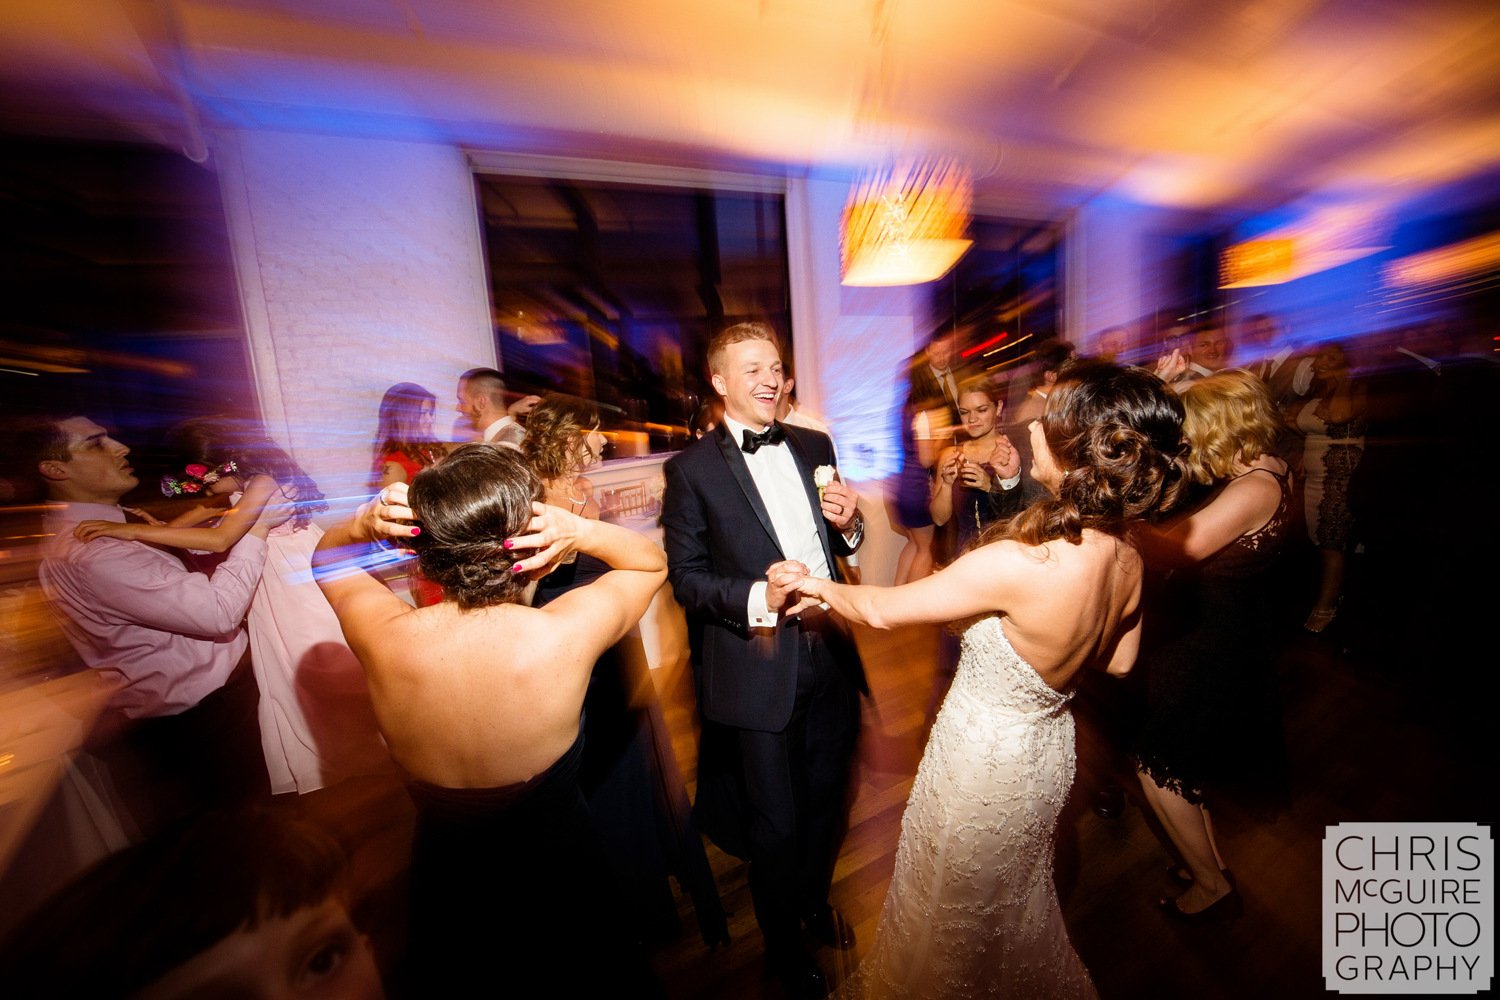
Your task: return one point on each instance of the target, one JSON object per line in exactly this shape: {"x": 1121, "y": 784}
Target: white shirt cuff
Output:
{"x": 756, "y": 612}
{"x": 1011, "y": 483}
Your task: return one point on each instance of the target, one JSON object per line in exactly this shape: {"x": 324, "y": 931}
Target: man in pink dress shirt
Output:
{"x": 181, "y": 732}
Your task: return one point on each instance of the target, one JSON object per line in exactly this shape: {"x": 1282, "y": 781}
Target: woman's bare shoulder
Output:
{"x": 1097, "y": 559}
{"x": 1106, "y": 548}
{"x": 1259, "y": 486}
{"x": 513, "y": 633}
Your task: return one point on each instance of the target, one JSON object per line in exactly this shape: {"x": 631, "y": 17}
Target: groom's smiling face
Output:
{"x": 751, "y": 382}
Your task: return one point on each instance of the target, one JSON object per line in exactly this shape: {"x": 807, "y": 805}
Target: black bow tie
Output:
{"x": 751, "y": 443}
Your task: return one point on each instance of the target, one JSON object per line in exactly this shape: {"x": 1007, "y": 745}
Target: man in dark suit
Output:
{"x": 1286, "y": 371}
{"x": 743, "y": 518}
{"x": 935, "y": 371}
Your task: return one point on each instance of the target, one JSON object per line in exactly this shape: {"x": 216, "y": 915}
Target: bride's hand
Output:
{"x": 808, "y": 592}
{"x": 385, "y": 515}
{"x": 554, "y": 532}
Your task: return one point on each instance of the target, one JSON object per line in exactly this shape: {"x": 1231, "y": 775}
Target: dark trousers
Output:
{"x": 173, "y": 766}
{"x": 794, "y": 786}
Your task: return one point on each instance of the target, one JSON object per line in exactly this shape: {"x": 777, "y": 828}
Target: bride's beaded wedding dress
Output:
{"x": 972, "y": 911}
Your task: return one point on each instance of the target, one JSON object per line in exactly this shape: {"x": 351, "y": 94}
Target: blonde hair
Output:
{"x": 737, "y": 334}
{"x": 557, "y": 430}
{"x": 1230, "y": 421}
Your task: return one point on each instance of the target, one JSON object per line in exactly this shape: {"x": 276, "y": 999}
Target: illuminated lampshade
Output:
{"x": 1326, "y": 238}
{"x": 906, "y": 225}
{"x": 1257, "y": 262}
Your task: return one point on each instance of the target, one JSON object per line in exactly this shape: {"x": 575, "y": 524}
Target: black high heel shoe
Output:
{"x": 1226, "y": 907}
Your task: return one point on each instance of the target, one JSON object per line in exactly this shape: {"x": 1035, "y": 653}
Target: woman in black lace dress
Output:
{"x": 1333, "y": 428}
{"x": 1212, "y": 717}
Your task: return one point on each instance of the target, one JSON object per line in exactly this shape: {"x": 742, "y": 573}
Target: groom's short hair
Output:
{"x": 734, "y": 335}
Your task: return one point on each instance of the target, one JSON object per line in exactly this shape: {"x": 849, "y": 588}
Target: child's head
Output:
{"x": 231, "y": 452}
{"x": 245, "y": 902}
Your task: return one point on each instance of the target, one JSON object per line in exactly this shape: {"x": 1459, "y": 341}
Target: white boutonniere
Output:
{"x": 822, "y": 476}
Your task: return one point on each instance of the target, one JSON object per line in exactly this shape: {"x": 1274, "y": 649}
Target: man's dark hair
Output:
{"x": 38, "y": 439}
{"x": 487, "y": 382}
{"x": 1053, "y": 354}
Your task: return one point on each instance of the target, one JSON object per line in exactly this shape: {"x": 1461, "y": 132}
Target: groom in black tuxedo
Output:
{"x": 742, "y": 520}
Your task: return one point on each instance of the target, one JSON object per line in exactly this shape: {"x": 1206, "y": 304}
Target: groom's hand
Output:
{"x": 781, "y": 580}
{"x": 840, "y": 504}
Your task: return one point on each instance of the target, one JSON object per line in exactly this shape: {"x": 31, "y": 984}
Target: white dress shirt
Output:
{"x": 500, "y": 432}
{"x": 1302, "y": 376}
{"x": 779, "y": 483}
{"x": 137, "y": 615}
{"x": 798, "y": 418}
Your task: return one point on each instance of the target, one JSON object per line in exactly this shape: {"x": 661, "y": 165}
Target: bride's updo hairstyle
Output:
{"x": 1116, "y": 436}
{"x": 468, "y": 504}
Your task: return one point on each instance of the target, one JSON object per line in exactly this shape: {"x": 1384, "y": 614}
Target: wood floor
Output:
{"x": 1365, "y": 743}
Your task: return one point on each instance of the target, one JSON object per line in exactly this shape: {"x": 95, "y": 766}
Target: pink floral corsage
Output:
{"x": 195, "y": 479}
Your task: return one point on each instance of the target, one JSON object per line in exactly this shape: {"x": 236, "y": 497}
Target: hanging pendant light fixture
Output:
{"x": 907, "y": 224}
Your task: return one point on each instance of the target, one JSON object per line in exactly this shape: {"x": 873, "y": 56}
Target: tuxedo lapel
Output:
{"x": 804, "y": 468}
{"x": 735, "y": 459}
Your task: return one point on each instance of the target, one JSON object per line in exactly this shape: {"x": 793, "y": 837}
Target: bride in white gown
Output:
{"x": 971, "y": 909}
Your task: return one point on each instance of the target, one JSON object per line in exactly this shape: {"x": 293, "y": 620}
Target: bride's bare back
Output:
{"x": 1066, "y": 606}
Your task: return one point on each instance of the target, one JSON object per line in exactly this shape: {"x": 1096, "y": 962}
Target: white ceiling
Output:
{"x": 1230, "y": 105}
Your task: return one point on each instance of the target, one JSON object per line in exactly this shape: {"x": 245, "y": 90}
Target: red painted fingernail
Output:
{"x": 507, "y": 544}
{"x": 415, "y": 532}
{"x": 515, "y": 567}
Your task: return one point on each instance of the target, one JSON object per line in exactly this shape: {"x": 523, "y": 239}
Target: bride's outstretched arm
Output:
{"x": 983, "y": 580}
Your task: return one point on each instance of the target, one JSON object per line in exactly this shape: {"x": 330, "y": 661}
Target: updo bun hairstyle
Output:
{"x": 468, "y": 504}
{"x": 1116, "y": 435}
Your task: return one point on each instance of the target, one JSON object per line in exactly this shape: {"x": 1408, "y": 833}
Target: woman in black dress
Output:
{"x": 1212, "y": 717}
{"x": 479, "y": 699}
{"x": 972, "y": 468}
{"x": 629, "y": 771}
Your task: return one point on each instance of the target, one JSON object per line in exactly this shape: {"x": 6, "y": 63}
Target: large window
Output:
{"x": 611, "y": 291}
{"x": 1004, "y": 294}
{"x": 119, "y": 293}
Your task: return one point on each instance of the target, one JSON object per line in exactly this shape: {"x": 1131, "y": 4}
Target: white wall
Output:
{"x": 851, "y": 350}
{"x": 360, "y": 266}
